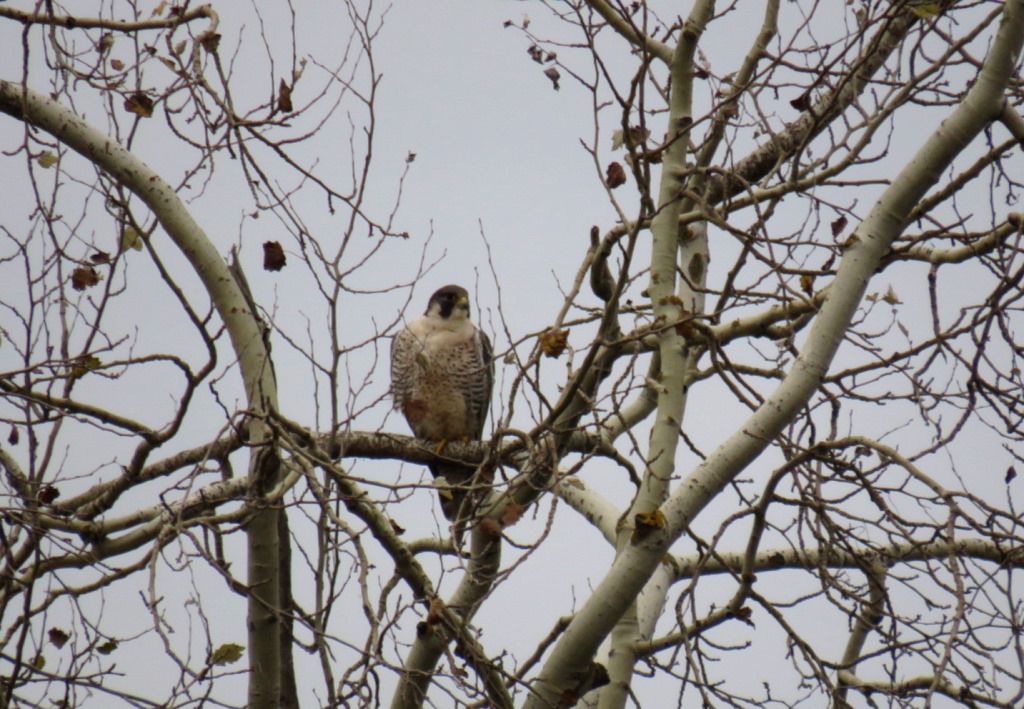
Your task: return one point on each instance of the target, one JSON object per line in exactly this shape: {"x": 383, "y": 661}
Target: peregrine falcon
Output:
{"x": 441, "y": 378}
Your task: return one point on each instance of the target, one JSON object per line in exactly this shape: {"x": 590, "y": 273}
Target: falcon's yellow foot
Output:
{"x": 446, "y": 441}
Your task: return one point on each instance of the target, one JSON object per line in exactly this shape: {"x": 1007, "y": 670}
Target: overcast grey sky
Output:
{"x": 498, "y": 162}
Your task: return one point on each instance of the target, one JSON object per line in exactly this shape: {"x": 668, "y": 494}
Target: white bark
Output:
{"x": 70, "y": 129}
{"x": 982, "y": 104}
{"x": 674, "y": 302}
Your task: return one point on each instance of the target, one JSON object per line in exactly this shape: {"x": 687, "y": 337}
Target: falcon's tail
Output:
{"x": 453, "y": 481}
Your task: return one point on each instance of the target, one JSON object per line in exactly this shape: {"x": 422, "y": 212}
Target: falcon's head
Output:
{"x": 449, "y": 303}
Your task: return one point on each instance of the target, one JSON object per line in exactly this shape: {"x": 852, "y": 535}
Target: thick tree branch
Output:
{"x": 631, "y": 570}
{"x": 624, "y": 25}
{"x": 829, "y": 106}
{"x": 175, "y": 18}
{"x": 44, "y": 113}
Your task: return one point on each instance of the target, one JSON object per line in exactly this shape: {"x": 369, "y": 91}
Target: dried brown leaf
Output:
{"x": 273, "y": 256}
{"x": 807, "y": 283}
{"x": 744, "y": 614}
{"x": 512, "y": 514}
{"x": 838, "y": 226}
{"x": 284, "y": 97}
{"x": 85, "y": 277}
{"x": 615, "y": 175}
{"x": 58, "y": 637}
{"x": 552, "y": 73}
{"x": 435, "y": 611}
{"x": 210, "y": 41}
{"x": 646, "y": 523}
{"x": 83, "y": 365}
{"x": 490, "y": 527}
{"x": 891, "y": 298}
{"x": 553, "y": 342}
{"x": 802, "y": 102}
{"x": 105, "y": 42}
{"x": 140, "y": 104}
{"x": 48, "y": 494}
